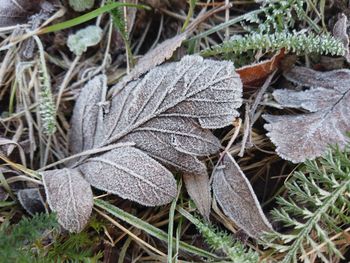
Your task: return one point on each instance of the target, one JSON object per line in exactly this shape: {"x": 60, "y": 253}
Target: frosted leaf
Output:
{"x": 13, "y": 12}
{"x": 31, "y": 200}
{"x": 198, "y": 188}
{"x": 307, "y": 136}
{"x": 165, "y": 115}
{"x": 131, "y": 174}
{"x": 153, "y": 58}
{"x": 88, "y": 115}
{"x": 237, "y": 199}
{"x": 84, "y": 38}
{"x": 192, "y": 88}
{"x": 152, "y": 144}
{"x": 81, "y": 5}
{"x": 340, "y": 32}
{"x": 70, "y": 196}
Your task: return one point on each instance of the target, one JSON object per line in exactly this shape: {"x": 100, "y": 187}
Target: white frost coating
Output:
{"x": 237, "y": 199}
{"x": 131, "y": 174}
{"x": 166, "y": 115}
{"x": 307, "y": 136}
{"x": 70, "y": 196}
{"x": 84, "y": 38}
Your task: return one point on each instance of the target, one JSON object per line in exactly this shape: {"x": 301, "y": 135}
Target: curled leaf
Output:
{"x": 307, "y": 136}
{"x": 70, "y": 196}
{"x": 198, "y": 188}
{"x": 31, "y": 200}
{"x": 131, "y": 174}
{"x": 237, "y": 199}
{"x": 256, "y": 74}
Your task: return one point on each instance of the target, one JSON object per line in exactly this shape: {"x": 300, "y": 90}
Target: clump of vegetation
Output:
{"x": 315, "y": 210}
{"x": 193, "y": 89}
{"x": 22, "y": 242}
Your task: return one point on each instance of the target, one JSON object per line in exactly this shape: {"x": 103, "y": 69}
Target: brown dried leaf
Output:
{"x": 198, "y": 188}
{"x": 13, "y": 12}
{"x": 307, "y": 136}
{"x": 237, "y": 199}
{"x": 131, "y": 174}
{"x": 70, "y": 196}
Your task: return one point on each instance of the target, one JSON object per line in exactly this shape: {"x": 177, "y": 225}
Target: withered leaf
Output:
{"x": 31, "y": 200}
{"x": 198, "y": 188}
{"x": 70, "y": 196}
{"x": 131, "y": 174}
{"x": 237, "y": 199}
{"x": 307, "y": 136}
{"x": 13, "y": 12}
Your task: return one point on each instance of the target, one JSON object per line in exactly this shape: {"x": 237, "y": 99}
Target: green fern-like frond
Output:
{"x": 316, "y": 208}
{"x": 279, "y": 15}
{"x": 16, "y": 242}
{"x": 299, "y": 43}
{"x": 220, "y": 240}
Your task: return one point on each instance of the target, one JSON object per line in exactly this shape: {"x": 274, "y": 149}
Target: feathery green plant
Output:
{"x": 222, "y": 241}
{"x": 74, "y": 248}
{"x": 299, "y": 43}
{"x": 17, "y": 241}
{"x": 278, "y": 15}
{"x": 316, "y": 208}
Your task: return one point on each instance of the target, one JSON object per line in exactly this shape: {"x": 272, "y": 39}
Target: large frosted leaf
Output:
{"x": 70, "y": 196}
{"x": 237, "y": 199}
{"x": 170, "y": 108}
{"x": 306, "y": 136}
{"x": 131, "y": 174}
{"x": 166, "y": 114}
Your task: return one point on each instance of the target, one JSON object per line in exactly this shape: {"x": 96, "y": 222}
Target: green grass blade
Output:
{"x": 148, "y": 228}
{"x": 88, "y": 16}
